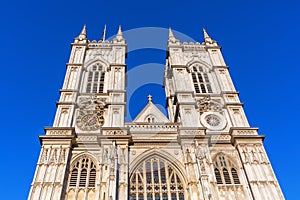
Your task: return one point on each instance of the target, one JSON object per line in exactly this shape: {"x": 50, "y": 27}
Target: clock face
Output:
{"x": 90, "y": 120}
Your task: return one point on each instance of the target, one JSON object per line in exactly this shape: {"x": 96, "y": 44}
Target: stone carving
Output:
{"x": 92, "y": 102}
{"x": 253, "y": 154}
{"x": 206, "y": 104}
{"x": 201, "y": 152}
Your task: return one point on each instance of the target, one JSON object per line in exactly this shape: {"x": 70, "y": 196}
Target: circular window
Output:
{"x": 213, "y": 121}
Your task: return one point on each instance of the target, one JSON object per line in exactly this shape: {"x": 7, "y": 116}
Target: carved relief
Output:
{"x": 207, "y": 104}
{"x": 92, "y": 102}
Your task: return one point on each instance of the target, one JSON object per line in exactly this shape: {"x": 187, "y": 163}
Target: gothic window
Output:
{"x": 225, "y": 171}
{"x": 83, "y": 174}
{"x": 200, "y": 80}
{"x": 95, "y": 79}
{"x": 155, "y": 178}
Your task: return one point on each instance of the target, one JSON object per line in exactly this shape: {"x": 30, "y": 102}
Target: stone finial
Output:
{"x": 149, "y": 98}
{"x": 172, "y": 38}
{"x": 81, "y": 38}
{"x": 207, "y": 38}
{"x": 119, "y": 37}
{"x": 83, "y": 32}
{"x": 205, "y": 33}
{"x": 120, "y": 31}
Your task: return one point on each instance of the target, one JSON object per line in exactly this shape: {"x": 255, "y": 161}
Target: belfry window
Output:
{"x": 83, "y": 174}
{"x": 155, "y": 178}
{"x": 95, "y": 79}
{"x": 225, "y": 171}
{"x": 200, "y": 80}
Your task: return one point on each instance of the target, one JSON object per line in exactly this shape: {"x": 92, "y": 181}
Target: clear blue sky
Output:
{"x": 260, "y": 42}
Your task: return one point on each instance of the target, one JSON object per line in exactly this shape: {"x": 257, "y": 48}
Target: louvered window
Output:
{"x": 200, "y": 80}
{"x": 83, "y": 174}
{"x": 95, "y": 79}
{"x": 235, "y": 176}
{"x": 225, "y": 171}
{"x": 218, "y": 176}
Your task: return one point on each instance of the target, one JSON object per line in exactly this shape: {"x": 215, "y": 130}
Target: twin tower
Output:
{"x": 203, "y": 150}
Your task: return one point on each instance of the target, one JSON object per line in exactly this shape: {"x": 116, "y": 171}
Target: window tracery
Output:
{"x": 225, "y": 171}
{"x": 95, "y": 79}
{"x": 200, "y": 80}
{"x": 83, "y": 174}
{"x": 155, "y": 178}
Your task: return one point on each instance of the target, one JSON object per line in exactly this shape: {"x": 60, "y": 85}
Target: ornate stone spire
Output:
{"x": 207, "y": 38}
{"x": 81, "y": 38}
{"x": 83, "y": 32}
{"x": 120, "y": 31}
{"x": 172, "y": 38}
{"x": 119, "y": 37}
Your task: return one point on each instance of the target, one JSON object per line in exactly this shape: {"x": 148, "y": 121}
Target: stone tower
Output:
{"x": 205, "y": 148}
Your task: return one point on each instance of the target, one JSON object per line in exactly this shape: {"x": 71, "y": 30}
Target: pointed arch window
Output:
{"x": 83, "y": 174}
{"x": 225, "y": 171}
{"x": 200, "y": 80}
{"x": 95, "y": 79}
{"x": 155, "y": 178}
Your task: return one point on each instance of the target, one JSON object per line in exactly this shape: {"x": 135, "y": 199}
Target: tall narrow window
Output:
{"x": 95, "y": 79}
{"x": 218, "y": 176}
{"x": 83, "y": 174}
{"x": 200, "y": 80}
{"x": 159, "y": 177}
{"x": 235, "y": 176}
{"x": 225, "y": 171}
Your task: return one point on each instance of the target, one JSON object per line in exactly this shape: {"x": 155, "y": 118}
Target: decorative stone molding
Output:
{"x": 220, "y": 138}
{"x": 114, "y": 132}
{"x": 243, "y": 131}
{"x": 84, "y": 138}
{"x": 59, "y": 131}
{"x": 152, "y": 127}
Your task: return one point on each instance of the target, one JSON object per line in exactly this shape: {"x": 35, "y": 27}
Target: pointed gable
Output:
{"x": 151, "y": 114}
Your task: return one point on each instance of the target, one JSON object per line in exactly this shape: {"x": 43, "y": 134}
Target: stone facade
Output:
{"x": 205, "y": 148}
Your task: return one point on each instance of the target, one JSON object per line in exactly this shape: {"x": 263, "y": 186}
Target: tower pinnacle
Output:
{"x": 207, "y": 38}
{"x": 82, "y": 36}
{"x": 119, "y": 37}
{"x": 172, "y": 38}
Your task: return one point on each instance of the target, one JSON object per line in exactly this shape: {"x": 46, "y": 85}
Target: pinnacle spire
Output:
{"x": 205, "y": 33}
{"x": 120, "y": 31}
{"x": 82, "y": 35}
{"x": 207, "y": 38}
{"x": 171, "y": 34}
{"x": 172, "y": 38}
{"x": 119, "y": 37}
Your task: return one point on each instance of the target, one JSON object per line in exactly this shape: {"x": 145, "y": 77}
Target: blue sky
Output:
{"x": 260, "y": 42}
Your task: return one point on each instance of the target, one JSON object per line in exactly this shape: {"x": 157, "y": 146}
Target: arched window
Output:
{"x": 155, "y": 178}
{"x": 83, "y": 173}
{"x": 95, "y": 79}
{"x": 200, "y": 80}
{"x": 150, "y": 119}
{"x": 235, "y": 176}
{"x": 225, "y": 171}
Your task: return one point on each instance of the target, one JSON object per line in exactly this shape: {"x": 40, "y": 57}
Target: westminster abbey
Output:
{"x": 204, "y": 149}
